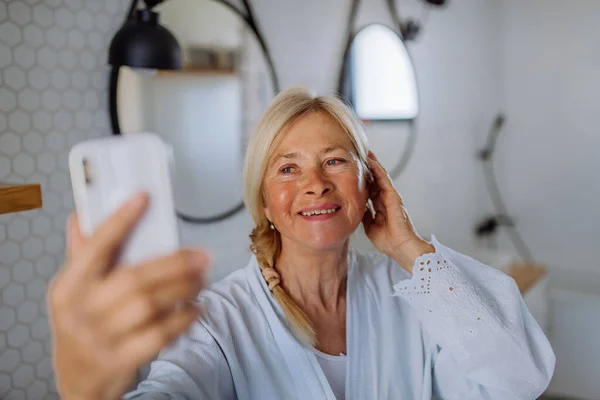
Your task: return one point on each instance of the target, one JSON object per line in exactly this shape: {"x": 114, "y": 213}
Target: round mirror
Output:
{"x": 378, "y": 77}
{"x": 207, "y": 110}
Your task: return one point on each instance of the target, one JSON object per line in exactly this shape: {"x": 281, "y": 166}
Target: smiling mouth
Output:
{"x": 320, "y": 212}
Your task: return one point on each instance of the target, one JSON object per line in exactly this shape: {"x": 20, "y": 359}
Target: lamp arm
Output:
{"x": 150, "y": 4}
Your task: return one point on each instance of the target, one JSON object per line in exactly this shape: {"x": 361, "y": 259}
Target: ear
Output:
{"x": 268, "y": 214}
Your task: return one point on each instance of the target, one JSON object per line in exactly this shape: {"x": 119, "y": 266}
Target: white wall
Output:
{"x": 457, "y": 72}
{"x": 549, "y": 154}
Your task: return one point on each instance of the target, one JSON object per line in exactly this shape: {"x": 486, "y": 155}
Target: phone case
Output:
{"x": 108, "y": 171}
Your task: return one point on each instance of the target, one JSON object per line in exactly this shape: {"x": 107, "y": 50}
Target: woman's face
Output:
{"x": 314, "y": 185}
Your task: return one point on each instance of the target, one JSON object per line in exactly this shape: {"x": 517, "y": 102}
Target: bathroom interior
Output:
{"x": 484, "y": 112}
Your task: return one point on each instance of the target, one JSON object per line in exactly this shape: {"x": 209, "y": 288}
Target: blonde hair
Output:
{"x": 285, "y": 109}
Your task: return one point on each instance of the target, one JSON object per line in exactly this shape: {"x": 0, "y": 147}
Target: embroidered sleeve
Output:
{"x": 490, "y": 345}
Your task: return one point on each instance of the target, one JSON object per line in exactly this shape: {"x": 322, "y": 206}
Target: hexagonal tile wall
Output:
{"x": 53, "y": 90}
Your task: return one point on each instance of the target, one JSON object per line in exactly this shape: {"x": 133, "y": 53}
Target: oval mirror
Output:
{"x": 378, "y": 77}
{"x": 207, "y": 110}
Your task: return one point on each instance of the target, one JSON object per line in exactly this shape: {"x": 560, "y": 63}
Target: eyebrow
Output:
{"x": 292, "y": 155}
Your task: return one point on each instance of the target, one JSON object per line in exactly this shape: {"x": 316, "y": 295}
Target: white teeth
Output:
{"x": 319, "y": 212}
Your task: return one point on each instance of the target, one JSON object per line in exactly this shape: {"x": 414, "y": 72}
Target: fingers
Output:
{"x": 141, "y": 347}
{"x": 182, "y": 266}
{"x": 133, "y": 296}
{"x": 143, "y": 309}
{"x": 382, "y": 179}
{"x": 97, "y": 256}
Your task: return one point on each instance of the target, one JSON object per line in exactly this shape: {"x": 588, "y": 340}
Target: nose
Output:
{"x": 317, "y": 184}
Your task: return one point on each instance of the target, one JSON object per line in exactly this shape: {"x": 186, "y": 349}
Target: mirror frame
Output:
{"x": 344, "y": 85}
{"x": 248, "y": 18}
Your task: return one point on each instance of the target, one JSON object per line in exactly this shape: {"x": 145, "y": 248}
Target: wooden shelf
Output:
{"x": 526, "y": 275}
{"x": 16, "y": 197}
{"x": 196, "y": 71}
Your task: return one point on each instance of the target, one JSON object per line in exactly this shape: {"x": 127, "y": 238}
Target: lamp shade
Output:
{"x": 144, "y": 43}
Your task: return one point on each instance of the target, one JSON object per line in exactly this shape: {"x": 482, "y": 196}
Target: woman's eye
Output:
{"x": 335, "y": 161}
{"x": 286, "y": 170}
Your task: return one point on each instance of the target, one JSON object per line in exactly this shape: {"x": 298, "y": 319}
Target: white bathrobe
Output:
{"x": 455, "y": 329}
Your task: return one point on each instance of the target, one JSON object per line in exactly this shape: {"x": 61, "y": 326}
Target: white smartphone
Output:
{"x": 106, "y": 172}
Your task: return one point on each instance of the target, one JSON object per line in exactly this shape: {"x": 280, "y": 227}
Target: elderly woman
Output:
{"x": 308, "y": 317}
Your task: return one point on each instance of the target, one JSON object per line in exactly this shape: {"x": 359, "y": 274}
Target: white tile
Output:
{"x": 10, "y": 34}
{"x": 95, "y": 41}
{"x": 88, "y": 60}
{"x": 42, "y": 120}
{"x": 8, "y": 100}
{"x": 76, "y": 40}
{"x": 3, "y": 122}
{"x": 56, "y": 37}
{"x": 18, "y": 229}
{"x": 9, "y": 252}
{"x": 13, "y": 295}
{"x": 83, "y": 120}
{"x": 36, "y": 289}
{"x": 80, "y": 80}
{"x": 3, "y": 16}
{"x": 27, "y": 312}
{"x": 51, "y": 203}
{"x": 60, "y": 80}
{"x": 60, "y": 182}
{"x": 19, "y": 122}
{"x": 33, "y": 142}
{"x": 14, "y": 78}
{"x": 43, "y": 15}
{"x": 65, "y": 18}
{"x": 23, "y": 377}
{"x": 23, "y": 164}
{"x": 20, "y": 13}
{"x": 37, "y": 391}
{"x": 63, "y": 120}
{"x": 68, "y": 59}
{"x": 18, "y": 336}
{"x": 5, "y": 168}
{"x": 44, "y": 368}
{"x": 16, "y": 394}
{"x": 33, "y": 36}
{"x": 39, "y": 329}
{"x": 32, "y": 248}
{"x": 38, "y": 78}
{"x": 46, "y": 266}
{"x": 32, "y": 352}
{"x": 23, "y": 271}
{"x": 51, "y": 100}
{"x": 74, "y": 5}
{"x": 10, "y": 143}
{"x": 46, "y": 162}
{"x": 91, "y": 100}
{"x": 4, "y": 276}
{"x": 41, "y": 226}
{"x": 85, "y": 22}
{"x": 24, "y": 56}
{"x": 71, "y": 100}
{"x": 47, "y": 58}
{"x": 55, "y": 244}
{"x": 7, "y": 318}
{"x": 9, "y": 360}
{"x": 29, "y": 100}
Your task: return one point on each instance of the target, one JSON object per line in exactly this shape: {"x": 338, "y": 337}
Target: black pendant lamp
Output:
{"x": 143, "y": 43}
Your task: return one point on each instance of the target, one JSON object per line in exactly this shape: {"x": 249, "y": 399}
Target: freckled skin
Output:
{"x": 321, "y": 167}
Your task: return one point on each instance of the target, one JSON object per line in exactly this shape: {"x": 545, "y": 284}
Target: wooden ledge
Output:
{"x": 526, "y": 275}
{"x": 17, "y": 197}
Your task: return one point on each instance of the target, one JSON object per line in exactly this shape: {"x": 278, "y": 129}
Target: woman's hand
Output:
{"x": 392, "y": 231}
{"x": 107, "y": 321}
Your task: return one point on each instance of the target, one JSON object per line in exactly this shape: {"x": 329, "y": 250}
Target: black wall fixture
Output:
{"x": 142, "y": 42}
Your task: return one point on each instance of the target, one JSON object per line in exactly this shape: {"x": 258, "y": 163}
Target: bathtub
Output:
{"x": 574, "y": 331}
